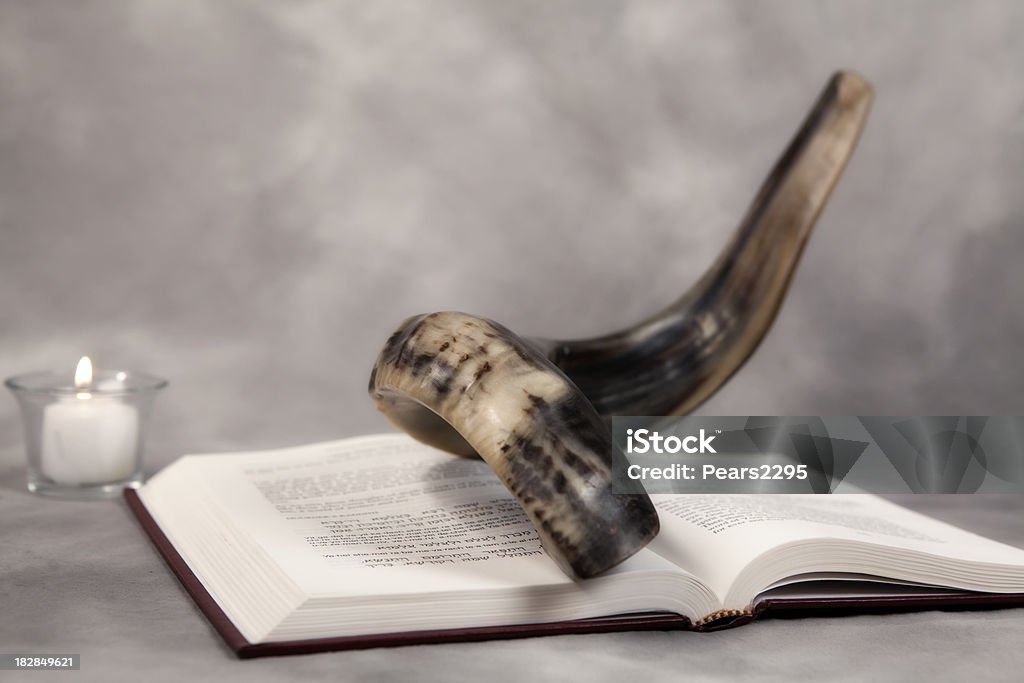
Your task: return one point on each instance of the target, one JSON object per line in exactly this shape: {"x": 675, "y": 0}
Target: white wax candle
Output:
{"x": 89, "y": 439}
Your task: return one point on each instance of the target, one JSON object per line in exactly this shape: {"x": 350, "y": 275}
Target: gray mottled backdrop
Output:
{"x": 246, "y": 197}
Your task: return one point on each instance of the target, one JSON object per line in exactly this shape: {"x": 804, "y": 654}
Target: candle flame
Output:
{"x": 83, "y": 376}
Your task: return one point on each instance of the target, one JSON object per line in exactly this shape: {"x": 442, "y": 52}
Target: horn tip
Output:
{"x": 852, "y": 88}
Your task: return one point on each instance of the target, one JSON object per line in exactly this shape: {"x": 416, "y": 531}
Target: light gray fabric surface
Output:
{"x": 246, "y": 197}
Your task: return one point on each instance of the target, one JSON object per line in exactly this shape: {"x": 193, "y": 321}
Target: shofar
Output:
{"x": 534, "y": 410}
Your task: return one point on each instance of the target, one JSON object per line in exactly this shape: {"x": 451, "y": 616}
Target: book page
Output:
{"x": 382, "y": 534}
{"x": 385, "y": 514}
{"x": 718, "y": 536}
{"x": 375, "y": 507}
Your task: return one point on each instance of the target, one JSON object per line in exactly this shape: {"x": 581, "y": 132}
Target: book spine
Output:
{"x": 723, "y": 619}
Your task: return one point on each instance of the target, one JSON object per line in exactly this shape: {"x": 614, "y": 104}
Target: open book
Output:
{"x": 381, "y": 540}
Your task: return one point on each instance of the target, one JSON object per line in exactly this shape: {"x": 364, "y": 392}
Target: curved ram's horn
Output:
{"x": 467, "y": 385}
{"x": 527, "y": 420}
{"x": 670, "y": 363}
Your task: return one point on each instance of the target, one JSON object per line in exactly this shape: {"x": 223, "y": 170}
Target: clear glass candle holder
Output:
{"x": 84, "y": 440}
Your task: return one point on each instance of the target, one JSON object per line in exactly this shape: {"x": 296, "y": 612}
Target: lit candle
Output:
{"x": 87, "y": 438}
